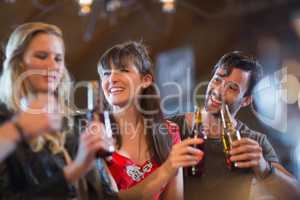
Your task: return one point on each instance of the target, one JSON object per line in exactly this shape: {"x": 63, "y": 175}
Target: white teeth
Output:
{"x": 51, "y": 78}
{"x": 215, "y": 100}
{"x": 112, "y": 90}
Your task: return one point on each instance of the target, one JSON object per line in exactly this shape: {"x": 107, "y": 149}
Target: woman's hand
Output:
{"x": 92, "y": 142}
{"x": 183, "y": 155}
{"x": 41, "y": 115}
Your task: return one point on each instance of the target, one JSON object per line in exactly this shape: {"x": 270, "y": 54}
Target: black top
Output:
{"x": 218, "y": 182}
{"x": 29, "y": 175}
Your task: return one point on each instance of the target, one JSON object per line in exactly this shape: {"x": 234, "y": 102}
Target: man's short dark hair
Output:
{"x": 240, "y": 60}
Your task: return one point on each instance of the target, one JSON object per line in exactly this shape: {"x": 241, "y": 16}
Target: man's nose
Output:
{"x": 221, "y": 90}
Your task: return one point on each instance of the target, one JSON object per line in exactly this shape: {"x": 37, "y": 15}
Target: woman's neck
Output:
{"x": 131, "y": 127}
{"x": 130, "y": 122}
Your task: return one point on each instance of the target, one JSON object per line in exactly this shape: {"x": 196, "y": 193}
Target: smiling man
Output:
{"x": 258, "y": 172}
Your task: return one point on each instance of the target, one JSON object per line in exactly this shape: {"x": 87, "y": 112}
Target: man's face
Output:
{"x": 228, "y": 87}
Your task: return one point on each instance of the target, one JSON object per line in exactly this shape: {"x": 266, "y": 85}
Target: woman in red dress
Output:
{"x": 149, "y": 156}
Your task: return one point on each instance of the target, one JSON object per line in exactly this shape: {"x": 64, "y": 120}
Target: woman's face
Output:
{"x": 44, "y": 62}
{"x": 122, "y": 87}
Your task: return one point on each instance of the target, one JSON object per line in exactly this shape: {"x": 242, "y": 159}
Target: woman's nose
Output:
{"x": 113, "y": 76}
{"x": 52, "y": 64}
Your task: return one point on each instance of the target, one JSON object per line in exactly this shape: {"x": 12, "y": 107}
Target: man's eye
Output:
{"x": 217, "y": 79}
{"x": 233, "y": 87}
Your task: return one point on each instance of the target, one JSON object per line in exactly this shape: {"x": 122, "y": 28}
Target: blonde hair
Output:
{"x": 13, "y": 69}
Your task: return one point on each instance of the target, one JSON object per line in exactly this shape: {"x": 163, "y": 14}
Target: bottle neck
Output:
{"x": 212, "y": 125}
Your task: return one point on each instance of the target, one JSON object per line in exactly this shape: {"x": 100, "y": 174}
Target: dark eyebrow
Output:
{"x": 222, "y": 74}
{"x": 40, "y": 51}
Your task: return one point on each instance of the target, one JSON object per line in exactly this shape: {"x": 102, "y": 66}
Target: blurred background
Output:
{"x": 186, "y": 38}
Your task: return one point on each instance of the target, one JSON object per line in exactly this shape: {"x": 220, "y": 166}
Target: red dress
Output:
{"x": 127, "y": 173}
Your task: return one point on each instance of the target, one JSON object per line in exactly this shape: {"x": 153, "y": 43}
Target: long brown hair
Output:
{"x": 158, "y": 140}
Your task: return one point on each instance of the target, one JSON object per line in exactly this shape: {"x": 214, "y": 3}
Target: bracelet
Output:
{"x": 20, "y": 130}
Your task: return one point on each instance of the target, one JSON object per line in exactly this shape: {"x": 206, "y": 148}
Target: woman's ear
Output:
{"x": 247, "y": 100}
{"x": 147, "y": 80}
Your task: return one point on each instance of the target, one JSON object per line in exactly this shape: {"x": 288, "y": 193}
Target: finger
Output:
{"x": 244, "y": 141}
{"x": 185, "y": 158}
{"x": 248, "y": 164}
{"x": 245, "y": 149}
{"x": 92, "y": 138}
{"x": 98, "y": 146}
{"x": 190, "y": 141}
{"x": 246, "y": 157}
{"x": 95, "y": 129}
{"x": 87, "y": 139}
{"x": 188, "y": 163}
{"x": 184, "y": 163}
{"x": 187, "y": 150}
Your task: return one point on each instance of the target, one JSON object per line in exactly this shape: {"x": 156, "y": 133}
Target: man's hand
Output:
{"x": 247, "y": 153}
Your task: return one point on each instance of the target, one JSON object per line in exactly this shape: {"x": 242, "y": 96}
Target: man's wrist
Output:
{"x": 267, "y": 172}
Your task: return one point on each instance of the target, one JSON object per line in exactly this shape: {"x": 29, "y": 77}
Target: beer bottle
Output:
{"x": 197, "y": 170}
{"x": 229, "y": 134}
{"x": 95, "y": 113}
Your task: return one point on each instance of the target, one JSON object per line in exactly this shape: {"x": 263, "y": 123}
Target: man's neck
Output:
{"x": 213, "y": 125}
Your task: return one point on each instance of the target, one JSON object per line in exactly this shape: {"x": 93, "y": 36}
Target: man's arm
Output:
{"x": 280, "y": 184}
{"x": 276, "y": 180}
{"x": 271, "y": 178}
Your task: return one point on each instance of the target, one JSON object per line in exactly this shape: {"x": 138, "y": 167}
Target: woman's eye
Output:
{"x": 106, "y": 73}
{"x": 58, "y": 59}
{"x": 124, "y": 70}
{"x": 42, "y": 56}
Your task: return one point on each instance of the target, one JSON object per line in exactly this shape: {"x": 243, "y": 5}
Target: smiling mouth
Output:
{"x": 51, "y": 78}
{"x": 215, "y": 102}
{"x": 116, "y": 90}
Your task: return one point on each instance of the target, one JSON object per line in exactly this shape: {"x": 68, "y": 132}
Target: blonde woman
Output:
{"x": 47, "y": 166}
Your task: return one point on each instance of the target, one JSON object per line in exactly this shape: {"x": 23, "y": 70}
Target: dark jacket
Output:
{"x": 27, "y": 175}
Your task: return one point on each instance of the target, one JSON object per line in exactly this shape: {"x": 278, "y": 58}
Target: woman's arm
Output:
{"x": 150, "y": 185}
{"x": 174, "y": 190}
{"x": 29, "y": 124}
{"x": 9, "y": 137}
{"x": 181, "y": 155}
{"x": 90, "y": 144}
